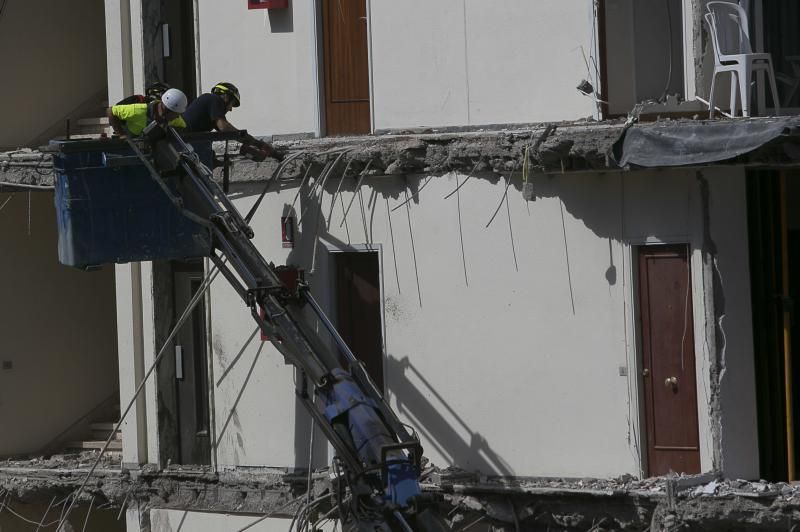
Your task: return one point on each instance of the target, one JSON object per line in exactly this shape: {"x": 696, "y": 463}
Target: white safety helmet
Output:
{"x": 174, "y": 100}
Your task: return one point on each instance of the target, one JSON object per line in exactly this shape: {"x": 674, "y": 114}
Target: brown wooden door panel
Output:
{"x": 346, "y": 59}
{"x": 668, "y": 360}
{"x": 358, "y": 299}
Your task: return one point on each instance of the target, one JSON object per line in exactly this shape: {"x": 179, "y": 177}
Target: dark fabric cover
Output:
{"x": 202, "y": 114}
{"x": 682, "y": 143}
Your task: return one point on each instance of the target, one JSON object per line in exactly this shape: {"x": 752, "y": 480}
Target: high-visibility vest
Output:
{"x": 136, "y": 117}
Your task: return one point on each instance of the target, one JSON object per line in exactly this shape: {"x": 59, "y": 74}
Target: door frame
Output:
{"x": 208, "y": 351}
{"x": 634, "y": 352}
{"x": 190, "y": 277}
{"x": 197, "y": 70}
{"x": 319, "y": 67}
{"x": 330, "y": 294}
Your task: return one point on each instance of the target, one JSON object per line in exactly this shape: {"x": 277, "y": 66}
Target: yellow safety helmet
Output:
{"x": 227, "y": 88}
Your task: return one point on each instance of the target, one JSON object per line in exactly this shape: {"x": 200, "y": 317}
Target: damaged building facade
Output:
{"x": 535, "y": 296}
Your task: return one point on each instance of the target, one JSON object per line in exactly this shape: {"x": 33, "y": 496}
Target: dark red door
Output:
{"x": 344, "y": 33}
{"x": 359, "y": 309}
{"x": 668, "y": 370}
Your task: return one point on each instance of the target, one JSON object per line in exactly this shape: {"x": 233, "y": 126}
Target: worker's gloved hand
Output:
{"x": 270, "y": 150}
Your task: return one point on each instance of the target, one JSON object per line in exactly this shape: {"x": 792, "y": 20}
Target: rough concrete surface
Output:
{"x": 700, "y": 502}
{"x": 551, "y": 148}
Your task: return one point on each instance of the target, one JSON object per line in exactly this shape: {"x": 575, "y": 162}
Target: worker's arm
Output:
{"x": 178, "y": 122}
{"x": 222, "y": 124}
{"x": 116, "y": 123}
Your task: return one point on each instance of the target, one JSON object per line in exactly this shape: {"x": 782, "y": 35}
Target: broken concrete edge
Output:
{"x": 624, "y": 502}
{"x": 552, "y": 149}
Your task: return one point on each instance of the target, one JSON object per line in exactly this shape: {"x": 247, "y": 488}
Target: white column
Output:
{"x": 118, "y": 49}
{"x": 137, "y": 46}
{"x": 691, "y": 55}
{"x": 149, "y": 350}
{"x": 131, "y": 362}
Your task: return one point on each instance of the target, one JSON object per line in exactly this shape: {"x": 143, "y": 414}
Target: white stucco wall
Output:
{"x": 469, "y": 62}
{"x": 450, "y": 63}
{"x": 57, "y": 326}
{"x": 270, "y": 56}
{"x": 516, "y": 372}
{"x": 53, "y": 61}
{"x": 176, "y": 520}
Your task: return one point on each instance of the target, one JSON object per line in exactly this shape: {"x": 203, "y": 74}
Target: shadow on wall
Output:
{"x": 426, "y": 416}
{"x": 160, "y": 522}
{"x": 314, "y": 227}
{"x": 233, "y": 415}
{"x": 281, "y": 20}
{"x": 457, "y": 442}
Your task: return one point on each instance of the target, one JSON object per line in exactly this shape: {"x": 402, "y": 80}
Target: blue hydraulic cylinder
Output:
{"x": 346, "y": 402}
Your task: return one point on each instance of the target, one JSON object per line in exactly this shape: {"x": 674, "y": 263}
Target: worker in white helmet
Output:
{"x": 133, "y": 118}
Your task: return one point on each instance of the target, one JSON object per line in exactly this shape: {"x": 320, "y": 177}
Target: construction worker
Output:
{"x": 208, "y": 112}
{"x": 153, "y": 92}
{"x": 133, "y": 118}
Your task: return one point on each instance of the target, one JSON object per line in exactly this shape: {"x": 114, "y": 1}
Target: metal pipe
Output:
{"x": 787, "y": 334}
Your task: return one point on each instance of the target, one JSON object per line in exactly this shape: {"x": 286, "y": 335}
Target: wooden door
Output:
{"x": 668, "y": 362}
{"x": 358, "y": 299}
{"x": 191, "y": 374}
{"x": 344, "y": 34}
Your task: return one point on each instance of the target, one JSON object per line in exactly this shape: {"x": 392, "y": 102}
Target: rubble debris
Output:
{"x": 552, "y": 148}
{"x": 670, "y": 503}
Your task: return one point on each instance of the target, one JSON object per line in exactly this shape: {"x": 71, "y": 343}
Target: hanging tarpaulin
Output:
{"x": 690, "y": 142}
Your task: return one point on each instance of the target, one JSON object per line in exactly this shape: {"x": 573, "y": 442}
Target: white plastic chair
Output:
{"x": 730, "y": 36}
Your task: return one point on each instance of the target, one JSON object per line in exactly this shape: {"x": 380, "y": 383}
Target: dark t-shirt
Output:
{"x": 203, "y": 113}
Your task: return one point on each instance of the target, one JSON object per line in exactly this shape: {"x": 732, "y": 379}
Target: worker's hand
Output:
{"x": 270, "y": 150}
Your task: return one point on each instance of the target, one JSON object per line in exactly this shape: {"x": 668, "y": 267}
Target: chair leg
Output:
{"x": 774, "y": 89}
{"x": 734, "y": 91}
{"x": 744, "y": 88}
{"x": 787, "y": 100}
{"x": 711, "y": 96}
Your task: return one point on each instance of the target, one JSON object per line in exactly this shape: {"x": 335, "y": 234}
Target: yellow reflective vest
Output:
{"x": 136, "y": 117}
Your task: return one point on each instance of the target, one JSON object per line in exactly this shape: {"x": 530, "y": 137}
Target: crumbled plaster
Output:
{"x": 715, "y": 336}
{"x": 700, "y": 502}
{"x": 699, "y": 43}
{"x": 552, "y": 148}
{"x": 27, "y": 167}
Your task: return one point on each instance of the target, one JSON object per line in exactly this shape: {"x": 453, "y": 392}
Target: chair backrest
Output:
{"x": 730, "y": 34}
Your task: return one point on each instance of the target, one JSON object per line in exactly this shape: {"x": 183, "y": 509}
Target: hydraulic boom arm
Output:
{"x": 380, "y": 457}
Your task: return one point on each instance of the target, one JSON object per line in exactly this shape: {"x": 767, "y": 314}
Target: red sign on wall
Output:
{"x": 267, "y": 4}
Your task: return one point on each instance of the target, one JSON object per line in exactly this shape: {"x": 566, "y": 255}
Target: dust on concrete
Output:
{"x": 669, "y": 503}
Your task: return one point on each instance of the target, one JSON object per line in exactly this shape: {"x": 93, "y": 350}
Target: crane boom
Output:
{"x": 381, "y": 458}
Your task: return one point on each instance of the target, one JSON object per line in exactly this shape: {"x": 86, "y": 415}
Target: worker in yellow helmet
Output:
{"x": 133, "y": 118}
{"x": 209, "y": 110}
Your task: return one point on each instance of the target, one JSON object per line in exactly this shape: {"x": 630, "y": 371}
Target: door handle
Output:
{"x": 671, "y": 382}
{"x": 179, "y": 362}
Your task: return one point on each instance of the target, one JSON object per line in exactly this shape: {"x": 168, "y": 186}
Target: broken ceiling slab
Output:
{"x": 699, "y": 502}
{"x": 552, "y": 149}
{"x": 693, "y": 143}
{"x": 671, "y": 107}
{"x": 26, "y": 168}
{"x": 555, "y": 148}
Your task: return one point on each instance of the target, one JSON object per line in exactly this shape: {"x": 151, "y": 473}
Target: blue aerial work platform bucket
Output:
{"x": 110, "y": 210}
